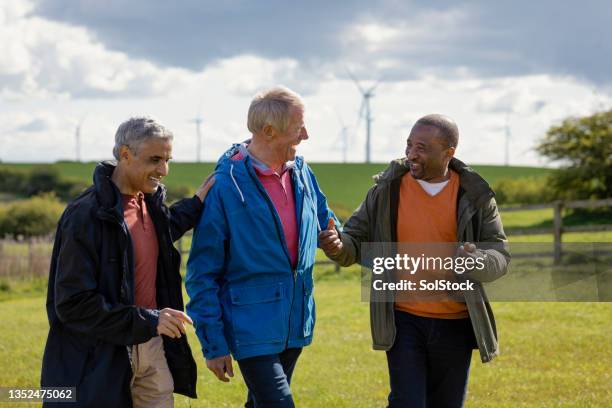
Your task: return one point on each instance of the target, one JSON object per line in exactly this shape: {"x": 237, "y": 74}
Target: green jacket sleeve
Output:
{"x": 356, "y": 230}
{"x": 493, "y": 245}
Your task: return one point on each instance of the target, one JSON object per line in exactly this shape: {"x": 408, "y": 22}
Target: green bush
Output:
{"x": 41, "y": 179}
{"x": 69, "y": 189}
{"x": 526, "y": 190}
{"x": 13, "y": 180}
{"x": 32, "y": 217}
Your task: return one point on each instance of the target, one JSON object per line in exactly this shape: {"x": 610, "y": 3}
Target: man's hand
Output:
{"x": 172, "y": 323}
{"x": 329, "y": 241}
{"x": 467, "y": 250}
{"x": 220, "y": 366}
{"x": 206, "y": 185}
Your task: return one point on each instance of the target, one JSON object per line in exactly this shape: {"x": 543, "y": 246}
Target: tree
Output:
{"x": 584, "y": 148}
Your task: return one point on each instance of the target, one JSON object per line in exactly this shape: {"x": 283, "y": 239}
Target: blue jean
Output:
{"x": 268, "y": 378}
{"x": 429, "y": 362}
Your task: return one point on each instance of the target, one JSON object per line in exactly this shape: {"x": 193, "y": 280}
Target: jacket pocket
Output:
{"x": 309, "y": 311}
{"x": 259, "y": 314}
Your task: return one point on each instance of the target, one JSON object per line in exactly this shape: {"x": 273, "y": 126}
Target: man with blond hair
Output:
{"x": 249, "y": 274}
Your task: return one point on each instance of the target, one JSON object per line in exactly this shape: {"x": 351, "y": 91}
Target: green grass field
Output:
{"x": 345, "y": 184}
{"x": 552, "y": 355}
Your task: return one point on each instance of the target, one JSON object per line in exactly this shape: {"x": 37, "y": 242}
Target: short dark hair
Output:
{"x": 447, "y": 127}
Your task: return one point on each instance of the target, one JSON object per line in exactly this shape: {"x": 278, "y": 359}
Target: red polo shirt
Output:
{"x": 146, "y": 249}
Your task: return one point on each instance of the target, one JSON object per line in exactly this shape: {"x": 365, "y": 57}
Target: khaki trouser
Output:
{"x": 152, "y": 383}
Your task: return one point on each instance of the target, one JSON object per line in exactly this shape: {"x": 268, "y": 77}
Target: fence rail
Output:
{"x": 31, "y": 257}
{"x": 558, "y": 229}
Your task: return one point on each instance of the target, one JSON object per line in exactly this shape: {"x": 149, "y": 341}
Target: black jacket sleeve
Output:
{"x": 184, "y": 215}
{"x": 78, "y": 303}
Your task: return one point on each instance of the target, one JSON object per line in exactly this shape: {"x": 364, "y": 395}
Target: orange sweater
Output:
{"x": 423, "y": 219}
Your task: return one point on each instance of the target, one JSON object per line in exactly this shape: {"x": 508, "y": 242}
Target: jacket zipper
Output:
{"x": 282, "y": 239}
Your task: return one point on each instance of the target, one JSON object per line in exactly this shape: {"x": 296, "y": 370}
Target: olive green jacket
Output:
{"x": 477, "y": 221}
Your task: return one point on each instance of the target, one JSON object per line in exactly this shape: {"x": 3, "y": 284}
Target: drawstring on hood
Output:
{"x": 319, "y": 228}
{"x": 236, "y": 184}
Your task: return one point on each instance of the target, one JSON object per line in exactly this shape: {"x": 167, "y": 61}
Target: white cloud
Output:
{"x": 246, "y": 74}
{"x": 57, "y": 74}
{"x": 43, "y": 58}
{"x": 390, "y": 42}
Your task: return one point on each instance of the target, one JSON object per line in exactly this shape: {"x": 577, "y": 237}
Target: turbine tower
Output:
{"x": 77, "y": 139}
{"x": 366, "y": 113}
{"x": 198, "y": 122}
{"x": 507, "y": 147}
{"x": 342, "y": 136}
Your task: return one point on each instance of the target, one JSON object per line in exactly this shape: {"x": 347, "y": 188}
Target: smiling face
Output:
{"x": 145, "y": 165}
{"x": 285, "y": 143}
{"x": 428, "y": 154}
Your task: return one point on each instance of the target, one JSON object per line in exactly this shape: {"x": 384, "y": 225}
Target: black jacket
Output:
{"x": 90, "y": 297}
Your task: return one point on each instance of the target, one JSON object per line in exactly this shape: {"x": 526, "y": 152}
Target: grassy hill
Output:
{"x": 345, "y": 184}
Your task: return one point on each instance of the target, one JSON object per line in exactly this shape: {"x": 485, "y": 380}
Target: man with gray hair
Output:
{"x": 114, "y": 300}
{"x": 249, "y": 274}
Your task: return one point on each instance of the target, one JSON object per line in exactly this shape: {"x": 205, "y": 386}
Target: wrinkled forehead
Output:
{"x": 426, "y": 134}
{"x": 156, "y": 147}
{"x": 297, "y": 112}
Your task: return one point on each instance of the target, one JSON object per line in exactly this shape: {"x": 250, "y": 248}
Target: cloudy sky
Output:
{"x": 496, "y": 67}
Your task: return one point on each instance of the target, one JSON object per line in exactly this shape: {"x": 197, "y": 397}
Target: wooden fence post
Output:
{"x": 558, "y": 231}
{"x": 30, "y": 256}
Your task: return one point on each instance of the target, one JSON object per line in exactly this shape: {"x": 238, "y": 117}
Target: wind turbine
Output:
{"x": 77, "y": 139}
{"x": 508, "y": 136}
{"x": 342, "y": 136}
{"x": 198, "y": 122}
{"x": 365, "y": 112}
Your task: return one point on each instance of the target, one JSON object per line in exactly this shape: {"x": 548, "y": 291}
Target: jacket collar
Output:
{"x": 476, "y": 188}
{"x": 109, "y": 196}
{"x": 226, "y": 158}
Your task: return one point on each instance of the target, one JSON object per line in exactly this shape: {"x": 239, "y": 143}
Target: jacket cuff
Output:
{"x": 152, "y": 318}
{"x": 195, "y": 202}
{"x": 215, "y": 349}
{"x": 344, "y": 257}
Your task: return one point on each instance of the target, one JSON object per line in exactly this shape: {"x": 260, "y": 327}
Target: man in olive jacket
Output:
{"x": 114, "y": 299}
{"x": 429, "y": 358}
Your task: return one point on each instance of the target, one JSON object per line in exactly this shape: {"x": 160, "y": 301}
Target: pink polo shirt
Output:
{"x": 280, "y": 190}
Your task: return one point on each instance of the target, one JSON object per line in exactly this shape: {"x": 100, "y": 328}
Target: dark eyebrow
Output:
{"x": 418, "y": 143}
{"x": 159, "y": 158}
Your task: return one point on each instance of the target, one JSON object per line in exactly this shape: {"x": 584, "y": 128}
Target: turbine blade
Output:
{"x": 355, "y": 81}
{"x": 373, "y": 87}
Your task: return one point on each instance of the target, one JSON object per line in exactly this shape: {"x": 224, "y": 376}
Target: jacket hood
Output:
{"x": 225, "y": 160}
{"x": 234, "y": 168}
{"x": 475, "y": 187}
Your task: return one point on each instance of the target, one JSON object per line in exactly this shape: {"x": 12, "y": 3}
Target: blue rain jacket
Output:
{"x": 245, "y": 297}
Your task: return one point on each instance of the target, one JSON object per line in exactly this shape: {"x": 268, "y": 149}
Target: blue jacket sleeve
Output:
{"x": 324, "y": 213}
{"x": 205, "y": 269}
